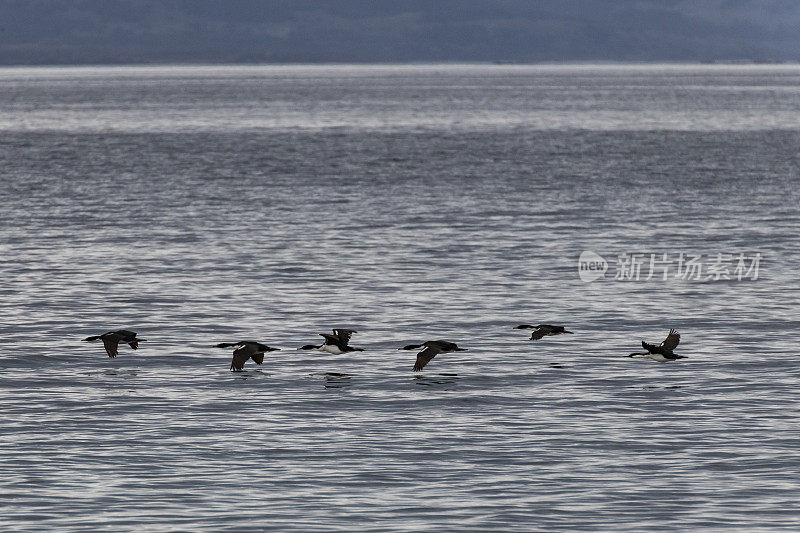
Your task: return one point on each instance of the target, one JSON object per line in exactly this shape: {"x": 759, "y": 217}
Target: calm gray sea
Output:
{"x": 198, "y": 205}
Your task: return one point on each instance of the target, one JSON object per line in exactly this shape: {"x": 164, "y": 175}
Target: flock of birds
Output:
{"x": 339, "y": 343}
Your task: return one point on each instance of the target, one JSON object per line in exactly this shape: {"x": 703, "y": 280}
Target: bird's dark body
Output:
{"x": 431, "y": 349}
{"x": 542, "y": 330}
{"x": 246, "y": 350}
{"x": 336, "y": 344}
{"x": 665, "y": 349}
{"x": 112, "y": 339}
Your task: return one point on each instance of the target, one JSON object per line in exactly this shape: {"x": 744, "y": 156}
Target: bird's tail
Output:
{"x": 92, "y": 338}
{"x": 461, "y": 350}
{"x": 565, "y": 331}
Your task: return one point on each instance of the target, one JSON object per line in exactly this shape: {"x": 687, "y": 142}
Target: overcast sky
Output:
{"x": 135, "y": 31}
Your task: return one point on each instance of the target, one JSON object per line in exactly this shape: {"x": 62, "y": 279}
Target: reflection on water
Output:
{"x": 335, "y": 380}
{"x": 118, "y": 372}
{"x": 437, "y": 379}
{"x": 250, "y": 374}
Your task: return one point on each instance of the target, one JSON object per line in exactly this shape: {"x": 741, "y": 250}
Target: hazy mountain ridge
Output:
{"x": 134, "y": 31}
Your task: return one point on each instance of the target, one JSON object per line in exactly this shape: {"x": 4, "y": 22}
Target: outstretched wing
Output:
{"x": 258, "y": 357}
{"x": 672, "y": 340}
{"x": 424, "y": 357}
{"x": 651, "y": 348}
{"x": 344, "y": 335}
{"x": 540, "y": 332}
{"x": 111, "y": 346}
{"x": 134, "y": 344}
{"x": 240, "y": 357}
{"x": 330, "y": 339}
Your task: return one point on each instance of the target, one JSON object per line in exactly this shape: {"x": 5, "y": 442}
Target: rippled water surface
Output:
{"x": 199, "y": 205}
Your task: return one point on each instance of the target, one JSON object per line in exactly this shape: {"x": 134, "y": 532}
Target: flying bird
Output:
{"x": 431, "y": 350}
{"x": 662, "y": 352}
{"x": 335, "y": 344}
{"x": 112, "y": 339}
{"x": 543, "y": 330}
{"x": 244, "y": 350}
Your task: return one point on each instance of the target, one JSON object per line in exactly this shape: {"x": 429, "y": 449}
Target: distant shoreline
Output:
{"x": 189, "y": 64}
